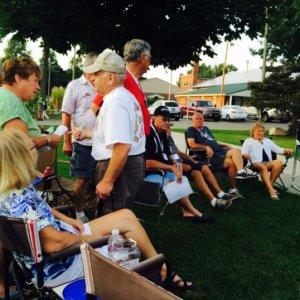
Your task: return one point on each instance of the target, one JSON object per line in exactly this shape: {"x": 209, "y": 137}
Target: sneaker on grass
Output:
{"x": 222, "y": 204}
{"x": 237, "y": 195}
{"x": 228, "y": 196}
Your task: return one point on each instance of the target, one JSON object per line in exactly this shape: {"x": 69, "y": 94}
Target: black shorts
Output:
{"x": 217, "y": 160}
{"x": 198, "y": 166}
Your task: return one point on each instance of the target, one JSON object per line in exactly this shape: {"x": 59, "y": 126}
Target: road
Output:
{"x": 184, "y": 123}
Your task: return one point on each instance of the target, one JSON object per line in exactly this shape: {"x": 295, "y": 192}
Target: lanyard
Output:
{"x": 158, "y": 139}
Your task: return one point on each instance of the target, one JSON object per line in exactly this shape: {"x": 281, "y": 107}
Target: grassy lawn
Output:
{"x": 252, "y": 252}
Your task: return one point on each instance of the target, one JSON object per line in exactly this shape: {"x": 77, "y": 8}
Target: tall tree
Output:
{"x": 280, "y": 90}
{"x": 15, "y": 47}
{"x": 178, "y": 30}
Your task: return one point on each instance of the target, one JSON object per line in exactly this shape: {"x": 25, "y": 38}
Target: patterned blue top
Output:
{"x": 27, "y": 204}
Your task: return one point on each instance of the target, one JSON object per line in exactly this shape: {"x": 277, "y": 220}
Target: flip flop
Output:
{"x": 204, "y": 219}
{"x": 176, "y": 284}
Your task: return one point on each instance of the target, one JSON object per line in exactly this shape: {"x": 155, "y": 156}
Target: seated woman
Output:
{"x": 258, "y": 150}
{"x": 18, "y": 198}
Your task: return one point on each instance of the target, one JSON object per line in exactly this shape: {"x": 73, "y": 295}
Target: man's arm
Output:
{"x": 67, "y": 146}
{"x": 115, "y": 167}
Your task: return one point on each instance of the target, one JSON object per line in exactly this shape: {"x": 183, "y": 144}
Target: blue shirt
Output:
{"x": 26, "y": 203}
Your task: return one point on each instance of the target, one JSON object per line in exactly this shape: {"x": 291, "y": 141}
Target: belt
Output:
{"x": 141, "y": 154}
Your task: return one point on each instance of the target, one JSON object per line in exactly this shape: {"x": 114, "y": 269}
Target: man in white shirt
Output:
{"x": 76, "y": 111}
{"x": 118, "y": 137}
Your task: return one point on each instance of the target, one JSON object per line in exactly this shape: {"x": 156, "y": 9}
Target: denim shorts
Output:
{"x": 83, "y": 164}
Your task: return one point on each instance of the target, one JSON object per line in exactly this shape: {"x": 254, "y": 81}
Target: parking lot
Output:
{"x": 230, "y": 125}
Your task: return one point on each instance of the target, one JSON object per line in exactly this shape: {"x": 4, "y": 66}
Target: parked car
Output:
{"x": 172, "y": 105}
{"x": 233, "y": 112}
{"x": 205, "y": 106}
{"x": 251, "y": 112}
{"x": 269, "y": 114}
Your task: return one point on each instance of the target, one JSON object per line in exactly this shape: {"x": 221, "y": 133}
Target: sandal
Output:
{"x": 170, "y": 284}
{"x": 176, "y": 285}
{"x": 274, "y": 197}
{"x": 204, "y": 219}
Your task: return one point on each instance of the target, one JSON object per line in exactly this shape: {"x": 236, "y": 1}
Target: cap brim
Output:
{"x": 90, "y": 69}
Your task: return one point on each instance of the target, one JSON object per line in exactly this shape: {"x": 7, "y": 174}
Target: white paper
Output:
{"x": 175, "y": 191}
{"x": 61, "y": 129}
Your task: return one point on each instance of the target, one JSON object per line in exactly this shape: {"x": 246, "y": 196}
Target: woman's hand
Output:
{"x": 77, "y": 224}
{"x": 54, "y": 139}
{"x": 288, "y": 151}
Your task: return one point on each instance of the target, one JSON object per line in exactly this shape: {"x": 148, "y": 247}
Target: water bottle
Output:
{"x": 126, "y": 253}
{"x": 47, "y": 183}
{"x": 115, "y": 236}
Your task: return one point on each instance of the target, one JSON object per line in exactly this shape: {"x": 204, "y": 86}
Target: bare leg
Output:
{"x": 210, "y": 178}
{"x": 129, "y": 226}
{"x": 228, "y": 164}
{"x": 236, "y": 156}
{"x": 79, "y": 193}
{"x": 276, "y": 167}
{"x": 201, "y": 184}
{"x": 188, "y": 209}
{"x": 264, "y": 174}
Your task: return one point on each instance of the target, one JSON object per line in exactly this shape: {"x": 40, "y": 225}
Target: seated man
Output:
{"x": 220, "y": 156}
{"x": 158, "y": 157}
{"x": 200, "y": 173}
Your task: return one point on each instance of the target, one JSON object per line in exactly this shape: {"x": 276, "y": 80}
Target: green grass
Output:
{"x": 234, "y": 137}
{"x": 252, "y": 252}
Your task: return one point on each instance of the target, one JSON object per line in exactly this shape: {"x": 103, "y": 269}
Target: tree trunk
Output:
{"x": 45, "y": 69}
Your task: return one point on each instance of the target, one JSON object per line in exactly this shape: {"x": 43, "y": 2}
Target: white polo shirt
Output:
{"x": 77, "y": 102}
{"x": 120, "y": 121}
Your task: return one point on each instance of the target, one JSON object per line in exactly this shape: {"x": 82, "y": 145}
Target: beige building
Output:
{"x": 155, "y": 88}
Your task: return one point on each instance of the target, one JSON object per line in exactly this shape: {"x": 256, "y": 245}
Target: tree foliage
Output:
{"x": 178, "y": 30}
{"x": 15, "y": 48}
{"x": 280, "y": 90}
{"x": 207, "y": 71}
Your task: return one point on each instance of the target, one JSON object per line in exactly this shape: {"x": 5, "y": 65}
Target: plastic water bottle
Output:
{"x": 115, "y": 236}
{"x": 47, "y": 183}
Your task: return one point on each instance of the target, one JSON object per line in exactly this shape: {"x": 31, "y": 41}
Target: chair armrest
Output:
{"x": 75, "y": 249}
{"x": 156, "y": 171}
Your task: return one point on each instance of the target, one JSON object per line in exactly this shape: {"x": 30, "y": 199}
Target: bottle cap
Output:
{"x": 115, "y": 231}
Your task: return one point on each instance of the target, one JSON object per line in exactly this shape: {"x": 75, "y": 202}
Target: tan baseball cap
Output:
{"x": 108, "y": 61}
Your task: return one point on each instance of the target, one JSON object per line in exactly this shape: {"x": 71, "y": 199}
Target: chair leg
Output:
{"x": 14, "y": 271}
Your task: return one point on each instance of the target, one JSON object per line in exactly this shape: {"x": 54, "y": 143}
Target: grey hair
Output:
{"x": 134, "y": 49}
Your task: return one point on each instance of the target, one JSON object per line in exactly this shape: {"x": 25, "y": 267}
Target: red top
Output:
{"x": 131, "y": 85}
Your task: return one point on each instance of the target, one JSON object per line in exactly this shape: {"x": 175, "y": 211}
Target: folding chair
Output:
{"x": 296, "y": 158}
{"x": 57, "y": 185}
{"x": 279, "y": 182}
{"x": 108, "y": 280}
{"x": 20, "y": 236}
{"x": 151, "y": 193}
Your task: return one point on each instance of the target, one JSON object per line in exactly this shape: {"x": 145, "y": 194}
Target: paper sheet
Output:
{"x": 175, "y": 191}
{"x": 61, "y": 129}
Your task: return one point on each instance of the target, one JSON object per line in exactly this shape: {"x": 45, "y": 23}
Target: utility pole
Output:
{"x": 74, "y": 63}
{"x": 223, "y": 75}
{"x": 170, "y": 85}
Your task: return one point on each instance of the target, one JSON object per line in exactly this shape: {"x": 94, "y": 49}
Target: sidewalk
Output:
{"x": 286, "y": 175}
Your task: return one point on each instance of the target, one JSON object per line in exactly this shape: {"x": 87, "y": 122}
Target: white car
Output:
{"x": 233, "y": 112}
{"x": 172, "y": 105}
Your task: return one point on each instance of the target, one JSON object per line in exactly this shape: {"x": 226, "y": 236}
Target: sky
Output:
{"x": 238, "y": 55}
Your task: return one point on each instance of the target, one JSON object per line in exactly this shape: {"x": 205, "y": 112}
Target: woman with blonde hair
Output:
{"x": 18, "y": 198}
{"x": 258, "y": 150}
